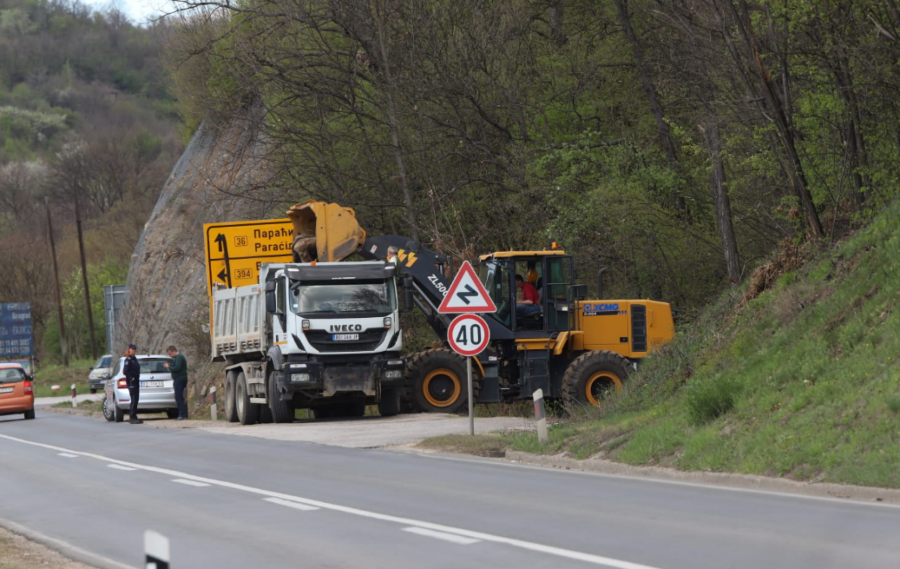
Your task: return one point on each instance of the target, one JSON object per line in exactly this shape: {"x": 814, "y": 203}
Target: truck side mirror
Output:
{"x": 407, "y": 293}
{"x": 271, "y": 304}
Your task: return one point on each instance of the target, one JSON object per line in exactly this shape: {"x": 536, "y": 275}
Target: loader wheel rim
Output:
{"x": 600, "y": 383}
{"x": 441, "y": 388}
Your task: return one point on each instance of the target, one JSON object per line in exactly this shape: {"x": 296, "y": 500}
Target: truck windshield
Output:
{"x": 329, "y": 297}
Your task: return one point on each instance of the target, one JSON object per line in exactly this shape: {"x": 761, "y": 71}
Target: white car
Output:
{"x": 99, "y": 373}
{"x": 157, "y": 390}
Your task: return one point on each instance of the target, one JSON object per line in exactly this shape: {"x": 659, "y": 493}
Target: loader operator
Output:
{"x": 529, "y": 303}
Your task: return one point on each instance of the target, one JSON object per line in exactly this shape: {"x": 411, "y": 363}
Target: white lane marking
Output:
{"x": 190, "y": 482}
{"x": 67, "y": 455}
{"x": 290, "y": 504}
{"x": 120, "y": 467}
{"x": 522, "y": 544}
{"x": 452, "y": 538}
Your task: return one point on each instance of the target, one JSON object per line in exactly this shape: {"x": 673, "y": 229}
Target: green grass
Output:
{"x": 803, "y": 382}
{"x": 77, "y": 373}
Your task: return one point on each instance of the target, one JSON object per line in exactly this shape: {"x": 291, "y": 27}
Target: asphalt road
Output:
{"x": 238, "y": 502}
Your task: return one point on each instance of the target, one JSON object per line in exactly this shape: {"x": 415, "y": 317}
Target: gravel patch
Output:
{"x": 20, "y": 553}
{"x": 364, "y": 432}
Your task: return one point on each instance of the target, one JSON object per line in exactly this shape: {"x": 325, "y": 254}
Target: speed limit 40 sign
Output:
{"x": 468, "y": 335}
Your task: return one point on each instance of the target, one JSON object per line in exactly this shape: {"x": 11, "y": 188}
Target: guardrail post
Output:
{"x": 539, "y": 415}
{"x": 213, "y": 411}
{"x": 156, "y": 550}
{"x": 74, "y": 404}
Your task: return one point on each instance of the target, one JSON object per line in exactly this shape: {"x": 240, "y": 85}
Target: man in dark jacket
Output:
{"x": 178, "y": 369}
{"x": 132, "y": 372}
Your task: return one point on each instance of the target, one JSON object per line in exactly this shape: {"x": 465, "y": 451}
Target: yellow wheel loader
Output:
{"x": 575, "y": 349}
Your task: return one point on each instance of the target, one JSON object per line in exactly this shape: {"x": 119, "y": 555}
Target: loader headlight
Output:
{"x": 295, "y": 377}
{"x": 393, "y": 374}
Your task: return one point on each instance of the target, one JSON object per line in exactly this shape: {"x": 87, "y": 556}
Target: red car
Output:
{"x": 16, "y": 392}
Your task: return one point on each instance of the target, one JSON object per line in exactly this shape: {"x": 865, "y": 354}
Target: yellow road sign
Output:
{"x": 235, "y": 250}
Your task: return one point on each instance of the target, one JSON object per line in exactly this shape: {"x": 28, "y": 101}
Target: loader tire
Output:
{"x": 248, "y": 413}
{"x": 592, "y": 376}
{"x": 230, "y": 409}
{"x": 437, "y": 381}
{"x": 282, "y": 411}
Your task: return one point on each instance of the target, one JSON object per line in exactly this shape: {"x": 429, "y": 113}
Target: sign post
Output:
{"x": 468, "y": 335}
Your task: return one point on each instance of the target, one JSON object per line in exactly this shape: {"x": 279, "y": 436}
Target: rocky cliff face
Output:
{"x": 168, "y": 301}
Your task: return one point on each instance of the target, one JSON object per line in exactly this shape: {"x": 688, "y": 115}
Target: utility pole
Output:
{"x": 84, "y": 276}
{"x": 59, "y": 310}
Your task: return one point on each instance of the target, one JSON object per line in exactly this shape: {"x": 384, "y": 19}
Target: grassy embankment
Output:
{"x": 64, "y": 377}
{"x": 802, "y": 382}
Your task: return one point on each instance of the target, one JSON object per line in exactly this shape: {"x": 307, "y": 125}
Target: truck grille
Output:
{"x": 638, "y": 328}
{"x": 368, "y": 341}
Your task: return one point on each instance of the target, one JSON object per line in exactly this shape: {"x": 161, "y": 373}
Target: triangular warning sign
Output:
{"x": 466, "y": 294}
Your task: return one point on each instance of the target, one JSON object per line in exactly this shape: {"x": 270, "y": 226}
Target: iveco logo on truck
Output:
{"x": 345, "y": 328}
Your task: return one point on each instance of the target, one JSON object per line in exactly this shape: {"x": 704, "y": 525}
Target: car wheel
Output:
{"x": 108, "y": 412}
{"x": 29, "y": 414}
{"x": 172, "y": 413}
{"x": 119, "y": 414}
{"x": 93, "y": 391}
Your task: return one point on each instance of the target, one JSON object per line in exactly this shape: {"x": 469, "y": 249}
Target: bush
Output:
{"x": 710, "y": 399}
{"x": 893, "y": 403}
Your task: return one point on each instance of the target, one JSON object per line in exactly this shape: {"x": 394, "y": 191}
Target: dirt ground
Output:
{"x": 16, "y": 552}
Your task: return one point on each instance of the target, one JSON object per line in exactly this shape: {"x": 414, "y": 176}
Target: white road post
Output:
{"x": 539, "y": 415}
{"x": 213, "y": 411}
{"x": 74, "y": 404}
{"x": 471, "y": 399}
{"x": 156, "y": 550}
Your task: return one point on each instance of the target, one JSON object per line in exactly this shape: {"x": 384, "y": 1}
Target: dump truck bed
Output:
{"x": 238, "y": 321}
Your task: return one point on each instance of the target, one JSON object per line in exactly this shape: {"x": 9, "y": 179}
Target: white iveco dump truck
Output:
{"x": 321, "y": 336}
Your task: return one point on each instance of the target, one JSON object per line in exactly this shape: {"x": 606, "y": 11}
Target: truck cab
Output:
{"x": 321, "y": 336}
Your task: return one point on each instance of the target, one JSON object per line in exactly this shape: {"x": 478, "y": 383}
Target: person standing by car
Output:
{"x": 178, "y": 369}
{"x": 132, "y": 372}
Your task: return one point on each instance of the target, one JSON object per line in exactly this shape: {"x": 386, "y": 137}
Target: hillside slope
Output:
{"x": 803, "y": 381}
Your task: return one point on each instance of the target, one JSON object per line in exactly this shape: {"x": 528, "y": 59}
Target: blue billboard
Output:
{"x": 15, "y": 330}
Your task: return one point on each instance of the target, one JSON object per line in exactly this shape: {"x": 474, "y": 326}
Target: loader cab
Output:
{"x": 553, "y": 275}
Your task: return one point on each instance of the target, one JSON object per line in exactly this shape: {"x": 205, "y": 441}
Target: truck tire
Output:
{"x": 591, "y": 377}
{"x": 390, "y": 402}
{"x": 324, "y": 412}
{"x": 230, "y": 408}
{"x": 354, "y": 409}
{"x": 248, "y": 413}
{"x": 437, "y": 380}
{"x": 282, "y": 411}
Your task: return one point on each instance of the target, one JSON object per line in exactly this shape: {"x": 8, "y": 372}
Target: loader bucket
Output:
{"x": 328, "y": 227}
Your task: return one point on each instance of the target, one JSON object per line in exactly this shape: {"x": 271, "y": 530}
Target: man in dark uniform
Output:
{"x": 132, "y": 372}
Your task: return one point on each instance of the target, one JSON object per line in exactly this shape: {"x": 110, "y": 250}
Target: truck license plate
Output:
{"x": 151, "y": 384}
{"x": 344, "y": 337}
{"x": 6, "y": 389}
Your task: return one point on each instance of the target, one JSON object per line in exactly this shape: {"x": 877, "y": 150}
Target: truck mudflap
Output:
{"x": 330, "y": 380}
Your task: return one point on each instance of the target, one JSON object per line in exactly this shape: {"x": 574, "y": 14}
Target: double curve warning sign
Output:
{"x": 466, "y": 294}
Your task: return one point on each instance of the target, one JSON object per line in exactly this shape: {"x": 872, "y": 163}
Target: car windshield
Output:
{"x": 328, "y": 297}
{"x": 11, "y": 375}
{"x": 154, "y": 365}
{"x": 103, "y": 362}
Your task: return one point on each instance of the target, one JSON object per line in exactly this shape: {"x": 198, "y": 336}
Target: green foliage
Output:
{"x": 709, "y": 400}
{"x": 746, "y": 390}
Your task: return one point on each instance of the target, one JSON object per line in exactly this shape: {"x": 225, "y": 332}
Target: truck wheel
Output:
{"x": 438, "y": 381}
{"x": 390, "y": 402}
{"x": 592, "y": 377}
{"x": 324, "y": 412}
{"x": 230, "y": 409}
{"x": 354, "y": 409}
{"x": 248, "y": 413}
{"x": 282, "y": 411}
